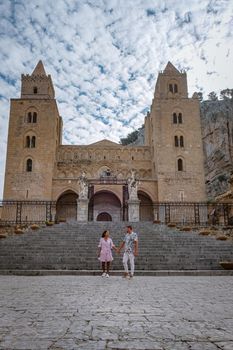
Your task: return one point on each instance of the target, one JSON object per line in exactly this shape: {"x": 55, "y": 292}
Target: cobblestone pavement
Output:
{"x": 89, "y": 312}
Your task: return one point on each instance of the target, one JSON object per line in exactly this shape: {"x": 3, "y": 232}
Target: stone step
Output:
{"x": 74, "y": 246}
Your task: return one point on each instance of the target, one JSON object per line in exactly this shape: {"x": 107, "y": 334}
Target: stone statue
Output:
{"x": 133, "y": 186}
{"x": 83, "y": 194}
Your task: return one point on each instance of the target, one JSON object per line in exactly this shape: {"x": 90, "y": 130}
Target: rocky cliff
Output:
{"x": 217, "y": 131}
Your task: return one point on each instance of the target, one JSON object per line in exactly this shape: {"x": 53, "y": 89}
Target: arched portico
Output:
{"x": 66, "y": 207}
{"x": 104, "y": 217}
{"x": 146, "y": 207}
{"x": 104, "y": 206}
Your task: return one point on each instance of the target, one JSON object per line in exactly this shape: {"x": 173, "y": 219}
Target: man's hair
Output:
{"x": 130, "y": 227}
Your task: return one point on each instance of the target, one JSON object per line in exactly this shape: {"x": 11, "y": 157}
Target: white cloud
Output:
{"x": 104, "y": 57}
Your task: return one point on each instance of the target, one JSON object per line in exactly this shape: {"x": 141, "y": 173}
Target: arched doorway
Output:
{"x": 104, "y": 205}
{"x": 104, "y": 217}
{"x": 146, "y": 207}
{"x": 66, "y": 207}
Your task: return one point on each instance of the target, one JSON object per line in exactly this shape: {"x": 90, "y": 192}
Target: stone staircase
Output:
{"x": 73, "y": 246}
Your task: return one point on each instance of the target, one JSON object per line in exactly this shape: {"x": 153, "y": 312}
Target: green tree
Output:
{"x": 212, "y": 96}
{"x": 226, "y": 94}
{"x": 129, "y": 138}
{"x": 200, "y": 96}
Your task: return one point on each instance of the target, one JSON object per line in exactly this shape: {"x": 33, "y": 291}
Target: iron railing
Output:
{"x": 26, "y": 212}
{"x": 185, "y": 213}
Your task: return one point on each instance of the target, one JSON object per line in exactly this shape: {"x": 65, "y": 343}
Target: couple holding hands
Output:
{"x": 130, "y": 245}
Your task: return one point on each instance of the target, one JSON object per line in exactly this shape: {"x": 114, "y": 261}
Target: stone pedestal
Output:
{"x": 155, "y": 214}
{"x": 162, "y": 213}
{"x": 133, "y": 210}
{"x": 82, "y": 210}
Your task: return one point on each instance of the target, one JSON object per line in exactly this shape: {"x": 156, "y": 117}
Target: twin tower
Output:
{"x": 169, "y": 166}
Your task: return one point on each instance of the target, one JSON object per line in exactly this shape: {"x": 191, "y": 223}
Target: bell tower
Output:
{"x": 173, "y": 130}
{"x": 33, "y": 137}
{"x": 38, "y": 85}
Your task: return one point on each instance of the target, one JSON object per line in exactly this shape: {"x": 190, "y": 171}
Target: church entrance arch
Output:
{"x": 146, "y": 207}
{"x": 104, "y": 217}
{"x": 104, "y": 206}
{"x": 66, "y": 207}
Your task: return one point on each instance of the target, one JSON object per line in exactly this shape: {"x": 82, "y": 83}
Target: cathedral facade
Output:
{"x": 105, "y": 180}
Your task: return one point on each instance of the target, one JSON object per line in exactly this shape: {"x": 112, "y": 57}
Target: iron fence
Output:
{"x": 27, "y": 212}
{"x": 194, "y": 213}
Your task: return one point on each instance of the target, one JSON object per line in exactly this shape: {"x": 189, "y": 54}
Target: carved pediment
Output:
{"x": 105, "y": 143}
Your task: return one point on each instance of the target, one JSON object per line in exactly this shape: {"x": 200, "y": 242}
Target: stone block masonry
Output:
{"x": 88, "y": 313}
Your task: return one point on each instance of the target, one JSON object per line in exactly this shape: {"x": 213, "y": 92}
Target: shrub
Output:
{"x": 221, "y": 238}
{"x": 19, "y": 231}
{"x": 171, "y": 224}
{"x": 205, "y": 232}
{"x": 186, "y": 228}
{"x": 49, "y": 223}
{"x": 228, "y": 265}
{"x": 35, "y": 227}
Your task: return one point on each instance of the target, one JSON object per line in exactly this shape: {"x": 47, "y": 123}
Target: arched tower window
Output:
{"x": 174, "y": 118}
{"x": 33, "y": 142}
{"x": 173, "y": 88}
{"x": 28, "y": 142}
{"x": 35, "y": 90}
{"x": 34, "y": 120}
{"x": 180, "y": 118}
{"x": 177, "y": 118}
{"x": 29, "y": 117}
{"x": 29, "y": 165}
{"x": 181, "y": 141}
{"x": 180, "y": 164}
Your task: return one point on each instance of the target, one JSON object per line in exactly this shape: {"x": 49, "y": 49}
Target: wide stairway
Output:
{"x": 74, "y": 247}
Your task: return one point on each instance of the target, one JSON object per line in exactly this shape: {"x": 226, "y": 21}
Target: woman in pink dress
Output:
{"x": 105, "y": 252}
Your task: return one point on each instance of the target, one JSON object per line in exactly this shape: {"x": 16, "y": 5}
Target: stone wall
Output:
{"x": 97, "y": 158}
{"x": 35, "y": 184}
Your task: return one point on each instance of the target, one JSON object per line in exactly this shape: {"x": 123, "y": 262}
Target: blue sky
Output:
{"x": 104, "y": 57}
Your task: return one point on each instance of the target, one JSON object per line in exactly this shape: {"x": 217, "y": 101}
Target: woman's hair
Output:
{"x": 104, "y": 233}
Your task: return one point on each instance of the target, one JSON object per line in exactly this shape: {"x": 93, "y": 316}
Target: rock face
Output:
{"x": 217, "y": 131}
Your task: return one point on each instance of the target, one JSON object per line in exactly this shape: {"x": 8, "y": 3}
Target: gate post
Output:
{"x": 18, "y": 212}
{"x": 196, "y": 213}
{"x": 167, "y": 213}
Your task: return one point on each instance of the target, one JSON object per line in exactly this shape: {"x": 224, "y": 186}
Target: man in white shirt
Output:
{"x": 130, "y": 244}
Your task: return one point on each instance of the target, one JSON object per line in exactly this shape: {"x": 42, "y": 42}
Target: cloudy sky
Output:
{"x": 104, "y": 57}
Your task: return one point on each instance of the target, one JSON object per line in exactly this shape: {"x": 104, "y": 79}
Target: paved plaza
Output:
{"x": 89, "y": 312}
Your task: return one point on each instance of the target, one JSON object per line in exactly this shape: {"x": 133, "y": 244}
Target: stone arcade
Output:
{"x": 105, "y": 181}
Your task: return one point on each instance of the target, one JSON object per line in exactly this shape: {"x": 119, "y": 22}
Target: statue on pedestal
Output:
{"x": 133, "y": 186}
{"x": 83, "y": 183}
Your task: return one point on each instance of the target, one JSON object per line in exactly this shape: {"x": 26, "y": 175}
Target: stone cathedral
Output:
{"x": 105, "y": 181}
